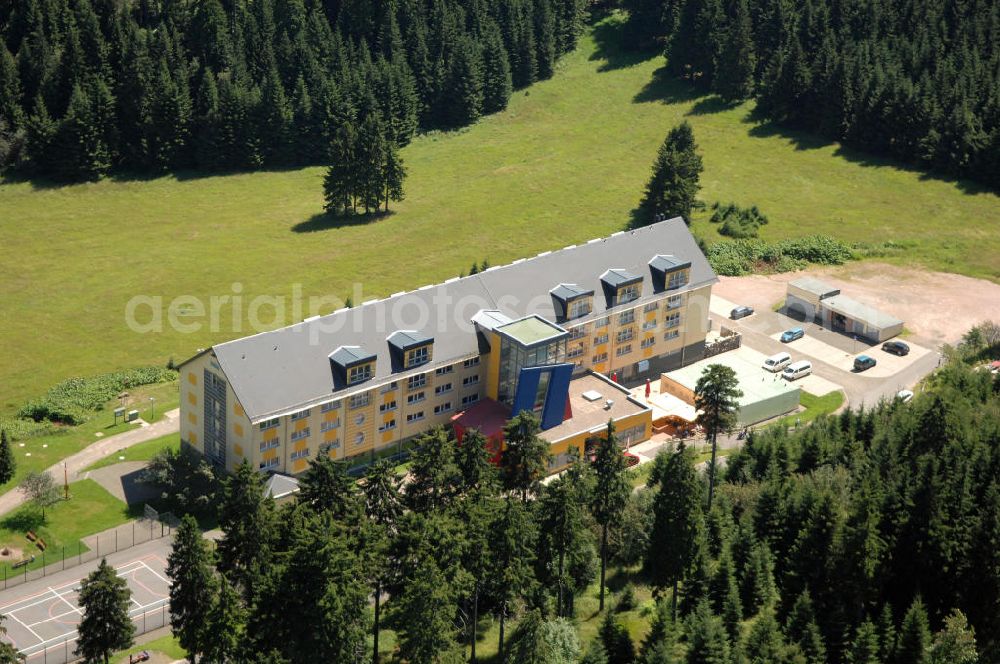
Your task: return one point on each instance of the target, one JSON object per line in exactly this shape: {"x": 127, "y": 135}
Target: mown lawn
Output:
{"x": 90, "y": 509}
{"x": 166, "y": 645}
{"x": 565, "y": 163}
{"x": 40, "y": 452}
{"x": 141, "y": 452}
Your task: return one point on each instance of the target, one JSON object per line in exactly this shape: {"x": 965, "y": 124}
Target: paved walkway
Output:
{"x": 97, "y": 451}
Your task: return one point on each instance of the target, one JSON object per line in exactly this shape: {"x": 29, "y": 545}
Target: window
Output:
{"x": 677, "y": 279}
{"x": 359, "y": 437}
{"x": 415, "y": 417}
{"x": 359, "y": 420}
{"x": 388, "y": 426}
{"x": 444, "y": 370}
{"x": 443, "y": 408}
{"x": 441, "y": 389}
{"x": 301, "y": 454}
{"x": 672, "y": 334}
{"x": 578, "y": 332}
{"x": 625, "y": 335}
{"x": 360, "y": 400}
{"x": 626, "y": 317}
{"x": 389, "y": 387}
{"x": 269, "y": 424}
{"x": 329, "y": 426}
{"x": 360, "y": 374}
{"x": 470, "y": 399}
{"x": 628, "y": 293}
{"x": 600, "y": 339}
{"x": 600, "y": 357}
{"x": 327, "y": 407}
{"x": 300, "y": 435}
{"x": 300, "y": 415}
{"x": 416, "y": 382}
{"x": 675, "y": 301}
{"x": 623, "y": 350}
{"x": 672, "y": 320}
{"x": 269, "y": 463}
{"x": 418, "y": 356}
{"x": 326, "y": 447}
{"x": 652, "y": 306}
{"x": 416, "y": 398}
{"x": 269, "y": 444}
{"x": 602, "y": 322}
{"x": 391, "y": 405}
{"x": 470, "y": 380}
{"x": 648, "y": 342}
{"x": 578, "y": 308}
{"x": 471, "y": 362}
{"x": 576, "y": 351}
{"x": 649, "y": 325}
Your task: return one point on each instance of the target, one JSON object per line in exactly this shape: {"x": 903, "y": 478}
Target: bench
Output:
{"x": 31, "y": 536}
{"x": 23, "y": 562}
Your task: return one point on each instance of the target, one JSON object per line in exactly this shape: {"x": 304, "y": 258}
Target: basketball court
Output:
{"x": 51, "y": 617}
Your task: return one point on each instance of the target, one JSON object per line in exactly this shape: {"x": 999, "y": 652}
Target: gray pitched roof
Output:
{"x": 285, "y": 370}
{"x": 666, "y": 263}
{"x": 345, "y": 356}
{"x": 616, "y": 277}
{"x": 567, "y": 292}
{"x": 407, "y": 339}
{"x": 859, "y": 311}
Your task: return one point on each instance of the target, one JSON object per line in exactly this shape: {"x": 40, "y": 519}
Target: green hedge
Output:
{"x": 746, "y": 256}
{"x": 72, "y": 401}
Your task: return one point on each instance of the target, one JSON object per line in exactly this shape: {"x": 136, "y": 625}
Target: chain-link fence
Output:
{"x": 65, "y": 650}
{"x": 152, "y": 526}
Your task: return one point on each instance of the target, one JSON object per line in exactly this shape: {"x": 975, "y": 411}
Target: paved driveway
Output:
{"x": 831, "y": 354}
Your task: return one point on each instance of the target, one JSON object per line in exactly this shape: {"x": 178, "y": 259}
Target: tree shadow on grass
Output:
{"x": 666, "y": 89}
{"x": 327, "y": 222}
{"x": 805, "y": 140}
{"x": 611, "y": 37}
{"x": 709, "y": 105}
{"x": 23, "y": 520}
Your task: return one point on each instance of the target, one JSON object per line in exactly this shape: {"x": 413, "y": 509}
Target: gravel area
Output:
{"x": 937, "y": 307}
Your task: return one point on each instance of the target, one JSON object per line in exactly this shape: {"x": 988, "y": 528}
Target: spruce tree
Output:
{"x": 716, "y": 398}
{"x": 464, "y": 84}
{"x": 512, "y": 551}
{"x": 79, "y": 148}
{"x": 497, "y": 81}
{"x": 226, "y": 624}
{"x": 427, "y": 631}
{"x": 914, "y": 636}
{"x": 525, "y": 456}
{"x": 10, "y": 90}
{"x": 246, "y": 517}
{"x": 383, "y": 507}
{"x": 673, "y": 185}
{"x": 393, "y": 175}
{"x": 611, "y": 492}
{"x": 707, "y": 640}
{"x": 677, "y": 520}
{"x": 475, "y": 463}
{"x": 105, "y": 626}
{"x": 736, "y": 63}
{"x": 616, "y": 640}
{"x": 765, "y": 643}
{"x": 8, "y": 465}
{"x": 545, "y": 38}
{"x": 801, "y": 628}
{"x": 865, "y": 647}
{"x": 339, "y": 190}
{"x": 40, "y": 135}
{"x": 326, "y": 487}
{"x": 192, "y": 588}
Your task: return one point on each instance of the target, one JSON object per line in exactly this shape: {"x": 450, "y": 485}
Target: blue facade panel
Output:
{"x": 556, "y": 394}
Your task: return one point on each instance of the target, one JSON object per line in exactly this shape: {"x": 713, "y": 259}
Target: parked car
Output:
{"x": 896, "y": 348}
{"x": 741, "y": 312}
{"x": 776, "y": 363}
{"x": 792, "y": 334}
{"x": 800, "y": 369}
{"x": 864, "y": 362}
{"x": 905, "y": 396}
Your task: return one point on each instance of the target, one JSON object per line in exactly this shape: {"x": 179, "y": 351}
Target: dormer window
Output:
{"x": 409, "y": 349}
{"x": 571, "y": 301}
{"x": 669, "y": 272}
{"x": 418, "y": 356}
{"x": 621, "y": 286}
{"x": 360, "y": 374}
{"x": 352, "y": 365}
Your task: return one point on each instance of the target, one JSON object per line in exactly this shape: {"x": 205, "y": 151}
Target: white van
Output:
{"x": 797, "y": 370}
{"x": 776, "y": 363}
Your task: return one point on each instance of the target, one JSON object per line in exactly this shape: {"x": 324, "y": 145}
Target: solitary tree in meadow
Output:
{"x": 40, "y": 489}
{"x": 673, "y": 185}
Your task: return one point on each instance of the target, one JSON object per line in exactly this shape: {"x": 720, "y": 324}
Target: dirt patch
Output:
{"x": 936, "y": 307}
{"x": 10, "y": 554}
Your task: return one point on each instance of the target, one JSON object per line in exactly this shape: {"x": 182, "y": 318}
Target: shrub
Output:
{"x": 72, "y": 401}
{"x": 626, "y": 599}
{"x": 737, "y": 222}
{"x": 19, "y": 428}
{"x": 745, "y": 256}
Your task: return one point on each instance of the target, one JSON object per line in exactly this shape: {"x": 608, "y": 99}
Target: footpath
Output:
{"x": 92, "y": 453}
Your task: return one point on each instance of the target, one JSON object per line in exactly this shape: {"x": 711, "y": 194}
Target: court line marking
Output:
{"x": 72, "y": 634}
{"x": 33, "y": 632}
{"x": 50, "y": 590}
{"x": 73, "y": 607}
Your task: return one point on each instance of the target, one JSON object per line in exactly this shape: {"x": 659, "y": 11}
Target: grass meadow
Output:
{"x": 565, "y": 163}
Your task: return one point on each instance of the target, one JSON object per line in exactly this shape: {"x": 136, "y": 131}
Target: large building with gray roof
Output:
{"x": 361, "y": 381}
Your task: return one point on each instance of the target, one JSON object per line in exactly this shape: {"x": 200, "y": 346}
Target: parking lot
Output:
{"x": 832, "y": 354}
